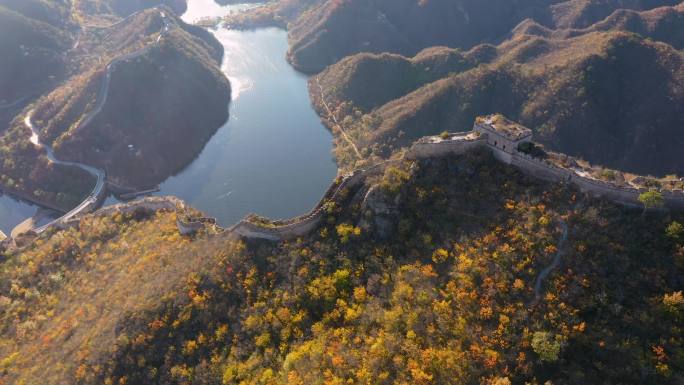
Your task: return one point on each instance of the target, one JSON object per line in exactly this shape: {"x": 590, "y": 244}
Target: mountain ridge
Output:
{"x": 543, "y": 79}
{"x": 208, "y": 308}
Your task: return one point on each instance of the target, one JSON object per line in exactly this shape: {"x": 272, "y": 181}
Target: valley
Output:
{"x": 276, "y": 164}
{"x": 228, "y": 176}
{"x": 595, "y": 92}
{"x": 328, "y": 192}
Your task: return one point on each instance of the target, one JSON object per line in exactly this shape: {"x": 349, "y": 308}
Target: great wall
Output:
{"x": 504, "y": 146}
{"x": 503, "y": 142}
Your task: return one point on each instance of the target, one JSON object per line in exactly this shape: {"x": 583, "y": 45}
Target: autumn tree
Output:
{"x": 546, "y": 346}
{"x": 652, "y": 200}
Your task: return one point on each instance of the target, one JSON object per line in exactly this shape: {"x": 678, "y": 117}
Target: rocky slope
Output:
{"x": 426, "y": 274}
{"x": 611, "y": 92}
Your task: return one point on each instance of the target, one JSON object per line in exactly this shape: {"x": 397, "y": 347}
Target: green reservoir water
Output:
{"x": 272, "y": 157}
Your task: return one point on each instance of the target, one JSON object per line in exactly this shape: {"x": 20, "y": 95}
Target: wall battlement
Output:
{"x": 455, "y": 144}
{"x": 253, "y": 227}
{"x": 503, "y": 147}
{"x": 302, "y": 225}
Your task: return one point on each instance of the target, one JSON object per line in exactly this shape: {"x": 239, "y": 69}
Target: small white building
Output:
{"x": 503, "y": 135}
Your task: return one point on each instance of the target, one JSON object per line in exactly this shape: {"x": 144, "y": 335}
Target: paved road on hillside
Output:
{"x": 99, "y": 174}
{"x": 91, "y": 200}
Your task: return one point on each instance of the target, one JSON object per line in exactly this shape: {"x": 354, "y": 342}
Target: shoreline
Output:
{"x": 23, "y": 196}
{"x": 124, "y": 191}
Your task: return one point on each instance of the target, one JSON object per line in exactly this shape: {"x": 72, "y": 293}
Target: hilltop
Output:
{"x": 35, "y": 36}
{"x": 278, "y": 13}
{"x": 334, "y": 29}
{"x": 105, "y": 11}
{"x": 174, "y": 95}
{"x": 574, "y": 70}
{"x": 425, "y": 273}
{"x": 610, "y": 93}
{"x": 145, "y": 89}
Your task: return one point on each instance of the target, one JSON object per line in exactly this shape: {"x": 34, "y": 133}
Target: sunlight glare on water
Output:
{"x": 236, "y": 58}
{"x": 199, "y": 9}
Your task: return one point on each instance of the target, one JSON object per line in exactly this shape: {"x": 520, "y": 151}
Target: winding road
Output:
{"x": 92, "y": 199}
{"x": 104, "y": 87}
{"x": 99, "y": 174}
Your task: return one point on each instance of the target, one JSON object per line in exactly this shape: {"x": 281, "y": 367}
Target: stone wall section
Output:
{"x": 302, "y": 225}
{"x": 428, "y": 147}
{"x": 629, "y": 196}
{"x": 539, "y": 168}
{"x": 432, "y": 147}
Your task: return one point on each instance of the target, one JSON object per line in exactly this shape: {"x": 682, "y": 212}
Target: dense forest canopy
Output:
{"x": 428, "y": 274}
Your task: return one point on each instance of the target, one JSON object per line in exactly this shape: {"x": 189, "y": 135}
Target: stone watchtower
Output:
{"x": 503, "y": 135}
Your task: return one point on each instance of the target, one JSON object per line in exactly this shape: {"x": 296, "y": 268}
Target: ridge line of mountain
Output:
{"x": 428, "y": 147}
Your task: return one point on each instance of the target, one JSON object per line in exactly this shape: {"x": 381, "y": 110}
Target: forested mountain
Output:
{"x": 425, "y": 275}
{"x": 610, "y": 92}
{"x": 33, "y": 40}
{"x": 37, "y": 35}
{"x": 337, "y": 28}
{"x": 95, "y": 82}
{"x": 432, "y": 269}
{"x": 173, "y": 94}
{"x": 94, "y": 10}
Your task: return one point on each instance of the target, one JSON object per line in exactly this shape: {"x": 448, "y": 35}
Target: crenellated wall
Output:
{"x": 455, "y": 144}
{"x": 302, "y": 225}
{"x": 428, "y": 147}
{"x": 539, "y": 168}
{"x": 621, "y": 194}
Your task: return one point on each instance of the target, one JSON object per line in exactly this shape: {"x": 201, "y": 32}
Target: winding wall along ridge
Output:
{"x": 428, "y": 147}
{"x": 435, "y": 146}
{"x": 299, "y": 226}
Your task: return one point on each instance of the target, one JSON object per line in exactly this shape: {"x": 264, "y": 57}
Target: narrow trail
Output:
{"x": 336, "y": 123}
{"x": 539, "y": 282}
